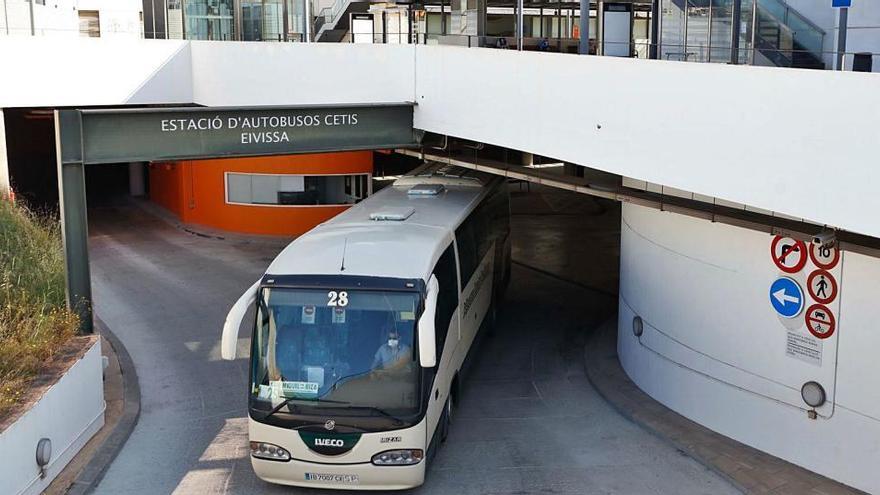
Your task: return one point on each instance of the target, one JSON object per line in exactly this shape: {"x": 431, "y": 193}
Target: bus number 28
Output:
{"x": 337, "y": 298}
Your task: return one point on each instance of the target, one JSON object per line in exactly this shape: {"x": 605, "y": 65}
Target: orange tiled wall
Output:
{"x": 195, "y": 191}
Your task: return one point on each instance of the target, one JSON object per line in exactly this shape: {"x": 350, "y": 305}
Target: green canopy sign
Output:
{"x": 86, "y": 137}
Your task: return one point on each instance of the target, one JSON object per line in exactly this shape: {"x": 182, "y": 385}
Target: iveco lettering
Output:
{"x": 363, "y": 326}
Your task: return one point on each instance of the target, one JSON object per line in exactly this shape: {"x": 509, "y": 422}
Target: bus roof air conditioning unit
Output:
{"x": 426, "y": 190}
{"x": 393, "y": 214}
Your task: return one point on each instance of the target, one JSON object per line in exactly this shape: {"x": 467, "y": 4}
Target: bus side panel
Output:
{"x": 443, "y": 379}
{"x": 475, "y": 300}
{"x": 446, "y": 321}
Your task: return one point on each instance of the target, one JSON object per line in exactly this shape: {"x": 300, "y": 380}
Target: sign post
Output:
{"x": 844, "y": 6}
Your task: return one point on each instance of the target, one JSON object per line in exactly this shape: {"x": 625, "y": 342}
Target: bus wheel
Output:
{"x": 446, "y": 420}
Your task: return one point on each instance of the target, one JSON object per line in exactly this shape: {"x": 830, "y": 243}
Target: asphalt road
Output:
{"x": 528, "y": 422}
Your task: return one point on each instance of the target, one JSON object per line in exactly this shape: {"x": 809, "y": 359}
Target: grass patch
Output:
{"x": 34, "y": 322}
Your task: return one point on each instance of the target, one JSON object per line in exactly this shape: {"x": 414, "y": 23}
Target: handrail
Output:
{"x": 790, "y": 9}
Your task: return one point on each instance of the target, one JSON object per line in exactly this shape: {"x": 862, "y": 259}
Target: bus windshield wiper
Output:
{"x": 342, "y": 405}
{"x": 283, "y": 403}
{"x": 397, "y": 421}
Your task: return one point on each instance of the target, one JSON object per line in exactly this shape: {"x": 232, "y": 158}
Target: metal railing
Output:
{"x": 641, "y": 49}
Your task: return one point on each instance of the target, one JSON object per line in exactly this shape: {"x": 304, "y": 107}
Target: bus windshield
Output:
{"x": 341, "y": 349}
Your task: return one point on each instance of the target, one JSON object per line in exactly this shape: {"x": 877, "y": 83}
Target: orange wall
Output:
{"x": 166, "y": 186}
{"x": 195, "y": 191}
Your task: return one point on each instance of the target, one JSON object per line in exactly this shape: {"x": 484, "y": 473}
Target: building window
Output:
{"x": 295, "y": 190}
{"x": 208, "y": 20}
{"x": 89, "y": 23}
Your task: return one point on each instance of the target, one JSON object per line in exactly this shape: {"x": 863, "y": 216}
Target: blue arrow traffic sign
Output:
{"x": 786, "y": 297}
{"x": 841, "y": 3}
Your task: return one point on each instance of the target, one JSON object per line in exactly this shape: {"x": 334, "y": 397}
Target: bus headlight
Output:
{"x": 268, "y": 451}
{"x": 403, "y": 457}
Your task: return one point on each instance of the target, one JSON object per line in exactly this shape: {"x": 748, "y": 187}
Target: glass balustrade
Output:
{"x": 702, "y": 31}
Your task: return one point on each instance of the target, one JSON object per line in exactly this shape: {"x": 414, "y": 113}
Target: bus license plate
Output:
{"x": 344, "y": 479}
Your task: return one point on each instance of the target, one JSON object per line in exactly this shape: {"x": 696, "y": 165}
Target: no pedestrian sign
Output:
{"x": 822, "y": 286}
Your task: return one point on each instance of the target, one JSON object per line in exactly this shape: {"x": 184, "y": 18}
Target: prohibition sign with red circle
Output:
{"x": 817, "y": 257}
{"x": 816, "y": 286}
{"x": 792, "y": 257}
{"x": 820, "y": 321}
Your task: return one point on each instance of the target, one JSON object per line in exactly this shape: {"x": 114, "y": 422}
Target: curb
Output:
{"x": 94, "y": 471}
{"x": 157, "y": 211}
{"x": 606, "y": 375}
{"x": 593, "y": 356}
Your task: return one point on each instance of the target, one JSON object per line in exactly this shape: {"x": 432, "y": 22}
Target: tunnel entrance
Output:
{"x": 89, "y": 138}
{"x": 30, "y": 148}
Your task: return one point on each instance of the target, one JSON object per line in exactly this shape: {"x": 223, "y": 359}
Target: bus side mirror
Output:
{"x": 427, "y": 342}
{"x": 229, "y": 341}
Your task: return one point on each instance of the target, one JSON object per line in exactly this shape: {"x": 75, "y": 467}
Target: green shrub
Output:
{"x": 34, "y": 322}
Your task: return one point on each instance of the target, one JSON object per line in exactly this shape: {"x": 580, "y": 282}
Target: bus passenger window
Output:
{"x": 447, "y": 299}
{"x": 467, "y": 251}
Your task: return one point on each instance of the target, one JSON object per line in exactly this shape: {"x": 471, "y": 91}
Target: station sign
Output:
{"x": 788, "y": 254}
{"x": 114, "y": 136}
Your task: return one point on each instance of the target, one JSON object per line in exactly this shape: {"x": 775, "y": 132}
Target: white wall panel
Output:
{"x": 714, "y": 351}
{"x": 858, "y": 378}
{"x": 798, "y": 142}
{"x": 43, "y": 72}
{"x": 301, "y": 73}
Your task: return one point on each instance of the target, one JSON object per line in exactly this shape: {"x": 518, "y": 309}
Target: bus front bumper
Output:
{"x": 364, "y": 476}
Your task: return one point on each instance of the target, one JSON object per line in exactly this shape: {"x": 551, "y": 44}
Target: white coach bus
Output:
{"x": 362, "y": 328}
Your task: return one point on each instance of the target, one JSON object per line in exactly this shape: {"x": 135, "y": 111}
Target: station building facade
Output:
{"x": 709, "y": 342}
{"x": 276, "y": 195}
{"x": 87, "y": 18}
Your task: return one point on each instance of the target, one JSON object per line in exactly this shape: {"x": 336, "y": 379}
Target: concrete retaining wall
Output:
{"x": 714, "y": 349}
{"x": 69, "y": 414}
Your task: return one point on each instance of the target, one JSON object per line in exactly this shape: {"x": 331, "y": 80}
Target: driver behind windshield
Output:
{"x": 391, "y": 353}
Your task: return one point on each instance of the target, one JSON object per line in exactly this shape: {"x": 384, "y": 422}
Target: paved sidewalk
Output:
{"x": 751, "y": 470}
{"x": 122, "y": 399}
